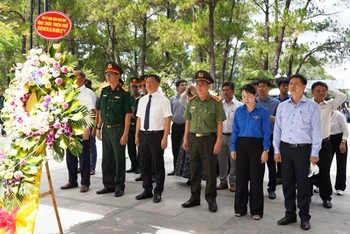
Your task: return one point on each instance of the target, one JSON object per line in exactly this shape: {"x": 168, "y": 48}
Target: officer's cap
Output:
{"x": 143, "y": 79}
{"x": 113, "y": 67}
{"x": 202, "y": 75}
{"x": 134, "y": 81}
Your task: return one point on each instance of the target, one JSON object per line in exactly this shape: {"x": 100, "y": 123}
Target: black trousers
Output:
{"x": 271, "y": 165}
{"x": 249, "y": 168}
{"x": 340, "y": 181}
{"x": 152, "y": 155}
{"x": 295, "y": 169}
{"x": 132, "y": 148}
{"x": 323, "y": 179}
{"x": 201, "y": 156}
{"x": 177, "y": 133}
{"x": 84, "y": 160}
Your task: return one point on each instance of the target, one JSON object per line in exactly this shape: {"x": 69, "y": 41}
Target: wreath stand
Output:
{"x": 52, "y": 193}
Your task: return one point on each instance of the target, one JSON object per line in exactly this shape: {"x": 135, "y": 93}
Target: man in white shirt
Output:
{"x": 152, "y": 130}
{"x": 230, "y": 105}
{"x": 322, "y": 180}
{"x": 87, "y": 98}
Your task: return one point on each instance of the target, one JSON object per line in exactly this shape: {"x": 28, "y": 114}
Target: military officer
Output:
{"x": 132, "y": 151}
{"x": 113, "y": 122}
{"x": 203, "y": 137}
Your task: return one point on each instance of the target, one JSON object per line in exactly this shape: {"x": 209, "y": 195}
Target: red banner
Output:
{"x": 52, "y": 25}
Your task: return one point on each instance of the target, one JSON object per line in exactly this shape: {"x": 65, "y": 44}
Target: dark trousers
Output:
{"x": 113, "y": 158}
{"x": 340, "y": 181}
{"x": 201, "y": 156}
{"x": 271, "y": 165}
{"x": 132, "y": 149}
{"x": 278, "y": 173}
{"x": 177, "y": 133}
{"x": 323, "y": 179}
{"x": 72, "y": 165}
{"x": 93, "y": 152}
{"x": 295, "y": 169}
{"x": 152, "y": 154}
{"x": 249, "y": 168}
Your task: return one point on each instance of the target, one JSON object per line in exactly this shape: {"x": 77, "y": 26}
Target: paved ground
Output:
{"x": 90, "y": 213}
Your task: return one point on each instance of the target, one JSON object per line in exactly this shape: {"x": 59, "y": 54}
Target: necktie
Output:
{"x": 148, "y": 107}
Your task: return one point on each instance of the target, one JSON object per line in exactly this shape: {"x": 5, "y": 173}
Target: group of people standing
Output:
{"x": 290, "y": 130}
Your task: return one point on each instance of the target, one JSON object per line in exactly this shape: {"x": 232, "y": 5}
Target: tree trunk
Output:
{"x": 267, "y": 33}
{"x": 212, "y": 5}
{"x": 144, "y": 45}
{"x": 235, "y": 52}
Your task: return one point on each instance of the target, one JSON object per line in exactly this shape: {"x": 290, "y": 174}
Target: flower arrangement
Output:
{"x": 43, "y": 118}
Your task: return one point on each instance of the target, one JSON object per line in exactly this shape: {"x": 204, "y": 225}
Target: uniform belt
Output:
{"x": 227, "y": 133}
{"x": 132, "y": 123}
{"x": 326, "y": 139}
{"x": 180, "y": 124}
{"x": 152, "y": 132}
{"x": 113, "y": 125}
{"x": 294, "y": 145}
{"x": 202, "y": 134}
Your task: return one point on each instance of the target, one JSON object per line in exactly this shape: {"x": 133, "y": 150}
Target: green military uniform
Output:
{"x": 114, "y": 105}
{"x": 204, "y": 116}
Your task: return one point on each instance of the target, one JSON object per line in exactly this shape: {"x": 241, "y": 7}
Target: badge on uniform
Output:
{"x": 117, "y": 97}
{"x": 193, "y": 107}
{"x": 256, "y": 117}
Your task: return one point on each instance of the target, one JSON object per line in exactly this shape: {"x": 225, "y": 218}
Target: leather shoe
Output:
{"x": 69, "y": 186}
{"x": 212, "y": 206}
{"x": 222, "y": 186}
{"x": 272, "y": 195}
{"x": 144, "y": 195}
{"x": 105, "y": 190}
{"x": 138, "y": 178}
{"x": 232, "y": 188}
{"x": 84, "y": 189}
{"x": 118, "y": 193}
{"x": 191, "y": 203}
{"x": 157, "y": 198}
{"x": 286, "y": 220}
{"x": 132, "y": 169}
{"x": 171, "y": 173}
{"x": 138, "y": 171}
{"x": 327, "y": 204}
{"x": 305, "y": 225}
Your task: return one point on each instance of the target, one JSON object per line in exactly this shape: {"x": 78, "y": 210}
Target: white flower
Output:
{"x": 39, "y": 51}
{"x": 56, "y": 46}
{"x": 43, "y": 58}
{"x": 18, "y": 175}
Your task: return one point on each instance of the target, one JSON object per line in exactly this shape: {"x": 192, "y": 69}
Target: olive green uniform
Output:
{"x": 204, "y": 116}
{"x": 114, "y": 105}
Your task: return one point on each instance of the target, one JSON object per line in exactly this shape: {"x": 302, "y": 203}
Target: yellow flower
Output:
{"x": 31, "y": 83}
{"x": 8, "y": 175}
{"x": 48, "y": 85}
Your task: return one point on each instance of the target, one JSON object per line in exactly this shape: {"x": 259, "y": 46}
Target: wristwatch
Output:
{"x": 343, "y": 141}
{"x": 266, "y": 150}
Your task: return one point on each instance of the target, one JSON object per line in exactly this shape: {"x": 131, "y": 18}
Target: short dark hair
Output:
{"x": 178, "y": 82}
{"x": 229, "y": 84}
{"x": 156, "y": 77}
{"x": 264, "y": 81}
{"x": 300, "y": 77}
{"x": 249, "y": 88}
{"x": 82, "y": 75}
{"x": 282, "y": 80}
{"x": 88, "y": 84}
{"x": 317, "y": 83}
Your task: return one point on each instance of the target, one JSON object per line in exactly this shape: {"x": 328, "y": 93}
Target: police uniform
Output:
{"x": 113, "y": 106}
{"x": 133, "y": 154}
{"x": 204, "y": 116}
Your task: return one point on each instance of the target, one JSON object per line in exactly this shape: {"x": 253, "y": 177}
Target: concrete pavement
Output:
{"x": 90, "y": 213}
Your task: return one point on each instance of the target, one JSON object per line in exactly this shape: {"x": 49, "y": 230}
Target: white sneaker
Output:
{"x": 340, "y": 192}
{"x": 317, "y": 190}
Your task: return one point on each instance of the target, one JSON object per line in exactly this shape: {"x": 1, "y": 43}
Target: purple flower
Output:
{"x": 56, "y": 65}
{"x": 22, "y": 161}
{"x": 65, "y": 105}
{"x": 64, "y": 69}
{"x": 45, "y": 104}
{"x": 47, "y": 98}
{"x": 58, "y": 56}
{"x": 57, "y": 125}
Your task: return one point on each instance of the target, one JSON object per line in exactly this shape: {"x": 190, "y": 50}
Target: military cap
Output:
{"x": 134, "y": 81}
{"x": 142, "y": 79}
{"x": 202, "y": 75}
{"x": 113, "y": 67}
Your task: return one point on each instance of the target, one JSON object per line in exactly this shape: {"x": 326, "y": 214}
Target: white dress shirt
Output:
{"x": 160, "y": 109}
{"x": 87, "y": 97}
{"x": 327, "y": 107}
{"x": 230, "y": 109}
{"x": 339, "y": 124}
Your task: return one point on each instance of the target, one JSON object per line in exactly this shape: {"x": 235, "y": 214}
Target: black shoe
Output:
{"x": 188, "y": 182}
{"x": 138, "y": 178}
{"x": 171, "y": 173}
{"x": 105, "y": 190}
{"x": 191, "y": 203}
{"x": 157, "y": 198}
{"x": 327, "y": 204}
{"x": 286, "y": 220}
{"x": 305, "y": 225}
{"x": 212, "y": 206}
{"x": 138, "y": 171}
{"x": 69, "y": 186}
{"x": 272, "y": 195}
{"x": 144, "y": 195}
{"x": 132, "y": 169}
{"x": 92, "y": 172}
{"x": 278, "y": 181}
{"x": 118, "y": 193}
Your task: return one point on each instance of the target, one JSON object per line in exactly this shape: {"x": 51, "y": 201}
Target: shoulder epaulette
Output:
{"x": 216, "y": 98}
{"x": 104, "y": 85}
{"x": 193, "y": 97}
{"x": 138, "y": 97}
{"x": 125, "y": 89}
